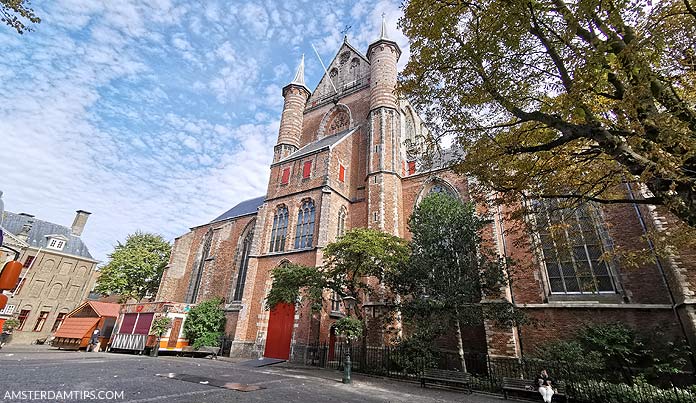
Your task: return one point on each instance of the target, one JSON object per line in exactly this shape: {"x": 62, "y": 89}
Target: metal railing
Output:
{"x": 582, "y": 385}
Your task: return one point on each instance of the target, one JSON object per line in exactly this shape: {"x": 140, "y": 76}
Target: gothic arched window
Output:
{"x": 409, "y": 128}
{"x": 572, "y": 249}
{"x": 279, "y": 230}
{"x": 342, "y": 213}
{"x": 243, "y": 265}
{"x": 304, "y": 234}
{"x": 440, "y": 187}
{"x": 197, "y": 274}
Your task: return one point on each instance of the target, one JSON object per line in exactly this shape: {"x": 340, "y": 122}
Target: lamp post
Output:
{"x": 349, "y": 303}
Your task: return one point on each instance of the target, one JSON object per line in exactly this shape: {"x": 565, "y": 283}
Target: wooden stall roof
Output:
{"x": 76, "y": 328}
{"x": 105, "y": 308}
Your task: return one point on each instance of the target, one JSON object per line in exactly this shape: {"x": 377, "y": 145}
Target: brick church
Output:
{"x": 347, "y": 156}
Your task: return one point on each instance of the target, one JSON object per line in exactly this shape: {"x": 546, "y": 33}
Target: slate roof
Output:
{"x": 325, "y": 143}
{"x": 439, "y": 159}
{"x": 40, "y": 229}
{"x": 244, "y": 208}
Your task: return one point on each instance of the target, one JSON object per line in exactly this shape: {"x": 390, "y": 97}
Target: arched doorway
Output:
{"x": 279, "y": 335}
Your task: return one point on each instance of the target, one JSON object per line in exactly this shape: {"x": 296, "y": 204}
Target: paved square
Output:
{"x": 45, "y": 369}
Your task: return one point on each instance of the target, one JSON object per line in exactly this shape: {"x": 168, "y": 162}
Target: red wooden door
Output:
{"x": 280, "y": 331}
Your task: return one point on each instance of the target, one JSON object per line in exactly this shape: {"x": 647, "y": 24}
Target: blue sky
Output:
{"x": 157, "y": 115}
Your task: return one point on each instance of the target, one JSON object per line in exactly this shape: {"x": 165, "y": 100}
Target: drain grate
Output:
{"x": 218, "y": 383}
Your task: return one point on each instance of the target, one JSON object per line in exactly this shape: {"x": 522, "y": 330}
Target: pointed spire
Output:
{"x": 383, "y": 34}
{"x": 299, "y": 74}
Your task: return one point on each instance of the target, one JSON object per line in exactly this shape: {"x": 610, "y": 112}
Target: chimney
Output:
{"x": 78, "y": 224}
{"x": 24, "y": 232}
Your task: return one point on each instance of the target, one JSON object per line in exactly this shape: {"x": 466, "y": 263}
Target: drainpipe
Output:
{"x": 662, "y": 273}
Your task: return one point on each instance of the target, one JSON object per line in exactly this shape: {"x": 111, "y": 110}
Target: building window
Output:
{"x": 440, "y": 187}
{"x": 243, "y": 266}
{"x": 18, "y": 286}
{"x": 286, "y": 176}
{"x": 54, "y": 243}
{"x": 341, "y": 173}
{"x": 59, "y": 321}
{"x": 279, "y": 230}
{"x": 197, "y": 274}
{"x": 335, "y": 302}
{"x": 342, "y": 213}
{"x": 306, "y": 169}
{"x": 572, "y": 249}
{"x": 29, "y": 260}
{"x": 304, "y": 233}
{"x": 43, "y": 315}
{"x": 23, "y": 315}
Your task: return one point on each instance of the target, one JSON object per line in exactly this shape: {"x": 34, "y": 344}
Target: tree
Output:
{"x": 204, "y": 323}
{"x": 159, "y": 328}
{"x": 558, "y": 99}
{"x": 452, "y": 280}
{"x": 15, "y": 12}
{"x": 349, "y": 262}
{"x": 135, "y": 268}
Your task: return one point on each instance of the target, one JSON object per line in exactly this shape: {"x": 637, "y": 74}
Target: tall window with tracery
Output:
{"x": 304, "y": 234}
{"x": 243, "y": 266}
{"x": 280, "y": 229}
{"x": 197, "y": 275}
{"x": 572, "y": 248}
{"x": 342, "y": 213}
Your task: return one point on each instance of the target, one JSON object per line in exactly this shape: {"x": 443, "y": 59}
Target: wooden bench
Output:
{"x": 455, "y": 378}
{"x": 527, "y": 385}
{"x": 203, "y": 350}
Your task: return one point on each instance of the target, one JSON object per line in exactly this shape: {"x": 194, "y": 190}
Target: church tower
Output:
{"x": 384, "y": 163}
{"x": 295, "y": 94}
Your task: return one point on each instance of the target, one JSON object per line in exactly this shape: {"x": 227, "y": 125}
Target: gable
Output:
{"x": 348, "y": 71}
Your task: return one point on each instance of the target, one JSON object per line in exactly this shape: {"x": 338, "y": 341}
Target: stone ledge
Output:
{"x": 593, "y": 305}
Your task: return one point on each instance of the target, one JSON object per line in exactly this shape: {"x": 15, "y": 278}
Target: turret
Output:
{"x": 384, "y": 128}
{"x": 295, "y": 94}
{"x": 383, "y": 55}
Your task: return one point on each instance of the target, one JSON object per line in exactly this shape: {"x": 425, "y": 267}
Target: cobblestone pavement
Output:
{"x": 43, "y": 369}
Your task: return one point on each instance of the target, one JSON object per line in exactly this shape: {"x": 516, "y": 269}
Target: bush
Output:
{"x": 204, "y": 323}
{"x": 638, "y": 392}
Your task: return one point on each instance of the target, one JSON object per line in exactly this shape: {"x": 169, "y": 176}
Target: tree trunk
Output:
{"x": 460, "y": 343}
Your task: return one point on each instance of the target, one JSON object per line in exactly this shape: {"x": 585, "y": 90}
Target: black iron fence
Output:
{"x": 582, "y": 385}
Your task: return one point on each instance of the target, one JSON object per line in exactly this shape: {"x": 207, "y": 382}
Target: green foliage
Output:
{"x": 10, "y": 324}
{"x": 360, "y": 253}
{"x": 349, "y": 327}
{"x": 289, "y": 279}
{"x": 450, "y": 270}
{"x": 204, "y": 323}
{"x": 563, "y": 99}
{"x": 160, "y": 326}
{"x": 614, "y": 352}
{"x": 637, "y": 392}
{"x": 15, "y": 13}
{"x": 135, "y": 268}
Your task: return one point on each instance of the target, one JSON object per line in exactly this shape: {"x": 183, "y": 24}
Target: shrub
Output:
{"x": 204, "y": 323}
{"x": 639, "y": 392}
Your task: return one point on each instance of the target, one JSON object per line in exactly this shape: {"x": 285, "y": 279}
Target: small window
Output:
{"x": 411, "y": 167}
{"x": 23, "y": 315}
{"x": 375, "y": 217}
{"x": 54, "y": 243}
{"x": 286, "y": 176}
{"x": 342, "y": 213}
{"x": 59, "y": 321}
{"x": 377, "y": 148}
{"x": 29, "y": 260}
{"x": 307, "y": 169}
{"x": 41, "y": 321}
{"x": 18, "y": 286}
{"x": 341, "y": 173}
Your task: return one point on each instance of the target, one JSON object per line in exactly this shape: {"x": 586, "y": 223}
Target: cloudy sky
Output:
{"x": 157, "y": 115}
